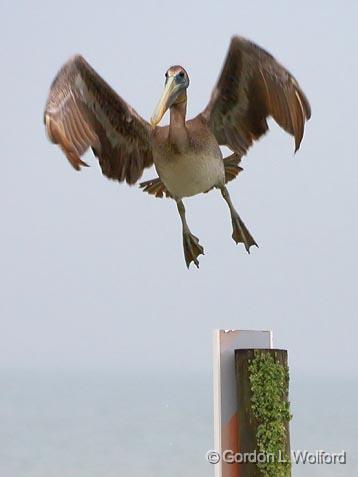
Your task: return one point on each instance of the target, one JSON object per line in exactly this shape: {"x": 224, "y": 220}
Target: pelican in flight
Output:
{"x": 83, "y": 111}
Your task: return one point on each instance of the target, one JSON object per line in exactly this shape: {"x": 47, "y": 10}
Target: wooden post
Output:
{"x": 262, "y": 393}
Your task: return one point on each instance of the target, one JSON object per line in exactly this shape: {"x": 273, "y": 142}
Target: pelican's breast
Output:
{"x": 190, "y": 172}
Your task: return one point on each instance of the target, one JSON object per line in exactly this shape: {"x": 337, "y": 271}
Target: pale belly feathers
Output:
{"x": 190, "y": 173}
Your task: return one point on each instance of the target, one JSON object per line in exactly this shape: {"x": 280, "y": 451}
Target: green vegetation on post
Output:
{"x": 269, "y": 381}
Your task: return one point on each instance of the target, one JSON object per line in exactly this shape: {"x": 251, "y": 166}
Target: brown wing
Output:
{"x": 251, "y": 87}
{"x": 83, "y": 111}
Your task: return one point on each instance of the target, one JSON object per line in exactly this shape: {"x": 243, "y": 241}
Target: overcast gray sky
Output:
{"x": 92, "y": 272}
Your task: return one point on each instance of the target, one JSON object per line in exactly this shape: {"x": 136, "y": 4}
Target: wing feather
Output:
{"x": 83, "y": 111}
{"x": 253, "y": 86}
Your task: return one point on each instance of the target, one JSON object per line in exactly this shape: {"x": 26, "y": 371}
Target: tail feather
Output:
{"x": 155, "y": 187}
{"x": 232, "y": 168}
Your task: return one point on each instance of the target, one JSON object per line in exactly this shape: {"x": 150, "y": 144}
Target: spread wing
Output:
{"x": 253, "y": 86}
{"x": 83, "y": 111}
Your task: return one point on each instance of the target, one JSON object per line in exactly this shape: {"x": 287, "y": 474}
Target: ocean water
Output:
{"x": 104, "y": 424}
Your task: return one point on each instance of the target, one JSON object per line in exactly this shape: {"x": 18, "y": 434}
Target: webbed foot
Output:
{"x": 240, "y": 232}
{"x": 192, "y": 249}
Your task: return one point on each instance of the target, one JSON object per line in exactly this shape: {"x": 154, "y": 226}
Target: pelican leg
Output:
{"x": 240, "y": 232}
{"x": 192, "y": 248}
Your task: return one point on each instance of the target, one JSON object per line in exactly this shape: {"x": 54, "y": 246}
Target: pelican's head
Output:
{"x": 176, "y": 83}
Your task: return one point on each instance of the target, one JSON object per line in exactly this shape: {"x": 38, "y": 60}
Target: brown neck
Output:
{"x": 178, "y": 132}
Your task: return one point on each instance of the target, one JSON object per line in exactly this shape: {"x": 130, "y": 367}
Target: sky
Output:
{"x": 92, "y": 271}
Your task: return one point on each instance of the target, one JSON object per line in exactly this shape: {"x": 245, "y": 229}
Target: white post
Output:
{"x": 225, "y": 399}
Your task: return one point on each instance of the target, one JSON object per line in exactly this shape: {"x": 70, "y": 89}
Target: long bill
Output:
{"x": 168, "y": 97}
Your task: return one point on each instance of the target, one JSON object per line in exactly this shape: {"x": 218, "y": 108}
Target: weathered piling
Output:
{"x": 262, "y": 382}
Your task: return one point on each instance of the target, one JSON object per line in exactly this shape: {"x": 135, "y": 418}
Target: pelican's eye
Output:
{"x": 181, "y": 74}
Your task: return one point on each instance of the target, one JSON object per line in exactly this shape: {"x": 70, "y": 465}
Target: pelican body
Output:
{"x": 82, "y": 111}
{"x": 190, "y": 165}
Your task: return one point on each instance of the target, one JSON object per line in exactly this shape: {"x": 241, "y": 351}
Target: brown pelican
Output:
{"x": 83, "y": 111}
